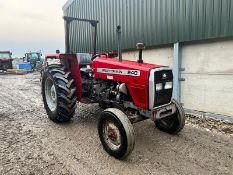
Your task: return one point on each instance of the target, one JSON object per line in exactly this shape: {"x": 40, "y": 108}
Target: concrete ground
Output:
{"x": 31, "y": 144}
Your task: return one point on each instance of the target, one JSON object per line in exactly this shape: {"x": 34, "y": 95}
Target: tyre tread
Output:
{"x": 66, "y": 91}
{"x": 129, "y": 131}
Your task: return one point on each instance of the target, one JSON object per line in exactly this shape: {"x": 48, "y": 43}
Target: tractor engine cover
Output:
{"x": 135, "y": 75}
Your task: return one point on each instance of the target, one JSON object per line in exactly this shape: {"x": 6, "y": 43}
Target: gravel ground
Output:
{"x": 32, "y": 144}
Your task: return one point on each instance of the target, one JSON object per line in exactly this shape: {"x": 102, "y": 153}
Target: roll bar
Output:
{"x": 68, "y": 20}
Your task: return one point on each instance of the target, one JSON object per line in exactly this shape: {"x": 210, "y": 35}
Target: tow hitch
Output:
{"x": 163, "y": 111}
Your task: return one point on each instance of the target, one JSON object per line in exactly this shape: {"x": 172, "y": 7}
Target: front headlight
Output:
{"x": 159, "y": 87}
{"x": 168, "y": 85}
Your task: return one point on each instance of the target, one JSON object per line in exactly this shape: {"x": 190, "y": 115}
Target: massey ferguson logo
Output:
{"x": 164, "y": 76}
{"x": 135, "y": 73}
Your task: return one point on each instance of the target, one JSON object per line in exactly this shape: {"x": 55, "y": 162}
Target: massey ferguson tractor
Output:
{"x": 128, "y": 91}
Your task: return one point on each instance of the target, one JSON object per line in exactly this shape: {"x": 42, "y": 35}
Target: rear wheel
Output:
{"x": 59, "y": 93}
{"x": 116, "y": 133}
{"x": 174, "y": 123}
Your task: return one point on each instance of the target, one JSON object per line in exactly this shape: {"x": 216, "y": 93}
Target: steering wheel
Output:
{"x": 98, "y": 55}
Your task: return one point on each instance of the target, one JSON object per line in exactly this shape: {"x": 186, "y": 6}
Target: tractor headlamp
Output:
{"x": 168, "y": 85}
{"x": 159, "y": 86}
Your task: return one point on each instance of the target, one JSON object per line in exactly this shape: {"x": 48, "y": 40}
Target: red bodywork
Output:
{"x": 52, "y": 56}
{"x": 137, "y": 85}
{"x": 71, "y": 62}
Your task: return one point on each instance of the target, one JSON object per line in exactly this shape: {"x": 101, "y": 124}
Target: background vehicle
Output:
{"x": 128, "y": 91}
{"x": 5, "y": 60}
{"x": 52, "y": 58}
{"x": 34, "y": 58}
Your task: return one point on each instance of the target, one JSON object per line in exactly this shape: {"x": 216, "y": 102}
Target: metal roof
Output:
{"x": 67, "y": 4}
{"x": 154, "y": 22}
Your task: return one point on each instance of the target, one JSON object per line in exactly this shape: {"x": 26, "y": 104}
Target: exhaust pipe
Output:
{"x": 119, "y": 51}
{"x": 140, "y": 47}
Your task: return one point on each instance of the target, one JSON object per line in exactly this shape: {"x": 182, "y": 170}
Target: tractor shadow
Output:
{"x": 153, "y": 148}
{"x": 86, "y": 114}
{"x": 146, "y": 134}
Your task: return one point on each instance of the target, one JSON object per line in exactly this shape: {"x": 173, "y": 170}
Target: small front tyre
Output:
{"x": 172, "y": 124}
{"x": 116, "y": 133}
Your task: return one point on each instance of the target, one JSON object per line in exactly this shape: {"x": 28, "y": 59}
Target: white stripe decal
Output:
{"x": 135, "y": 73}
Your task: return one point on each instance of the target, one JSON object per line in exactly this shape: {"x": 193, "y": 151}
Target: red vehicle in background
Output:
{"x": 5, "y": 60}
{"x": 52, "y": 58}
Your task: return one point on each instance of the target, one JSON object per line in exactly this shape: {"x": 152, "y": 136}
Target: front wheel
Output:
{"x": 116, "y": 133}
{"x": 174, "y": 123}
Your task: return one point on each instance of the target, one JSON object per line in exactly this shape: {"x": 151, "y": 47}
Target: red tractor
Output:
{"x": 128, "y": 91}
{"x": 5, "y": 60}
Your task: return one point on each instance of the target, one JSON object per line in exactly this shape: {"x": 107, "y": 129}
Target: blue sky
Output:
{"x": 31, "y": 25}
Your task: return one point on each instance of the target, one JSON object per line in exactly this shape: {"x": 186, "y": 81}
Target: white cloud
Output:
{"x": 31, "y": 24}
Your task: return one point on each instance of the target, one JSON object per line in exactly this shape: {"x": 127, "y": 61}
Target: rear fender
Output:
{"x": 70, "y": 62}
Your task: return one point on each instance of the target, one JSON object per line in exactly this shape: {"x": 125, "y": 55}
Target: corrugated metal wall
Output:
{"x": 153, "y": 22}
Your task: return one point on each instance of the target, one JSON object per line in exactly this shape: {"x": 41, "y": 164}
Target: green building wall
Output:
{"x": 153, "y": 22}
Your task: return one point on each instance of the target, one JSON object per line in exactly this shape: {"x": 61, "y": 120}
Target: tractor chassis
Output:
{"x": 157, "y": 113}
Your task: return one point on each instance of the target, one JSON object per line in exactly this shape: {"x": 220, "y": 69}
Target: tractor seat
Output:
{"x": 84, "y": 59}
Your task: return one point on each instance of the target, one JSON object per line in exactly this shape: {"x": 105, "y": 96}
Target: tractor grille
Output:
{"x": 163, "y": 96}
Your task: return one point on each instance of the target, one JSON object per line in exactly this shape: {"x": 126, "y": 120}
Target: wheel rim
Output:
{"x": 111, "y": 135}
{"x": 50, "y": 94}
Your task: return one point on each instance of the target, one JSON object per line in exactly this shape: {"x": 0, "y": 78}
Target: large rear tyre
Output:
{"x": 59, "y": 93}
{"x": 116, "y": 133}
{"x": 172, "y": 124}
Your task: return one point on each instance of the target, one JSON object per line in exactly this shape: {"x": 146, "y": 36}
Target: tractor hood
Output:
{"x": 124, "y": 71}
{"x": 113, "y": 63}
{"x": 135, "y": 76}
